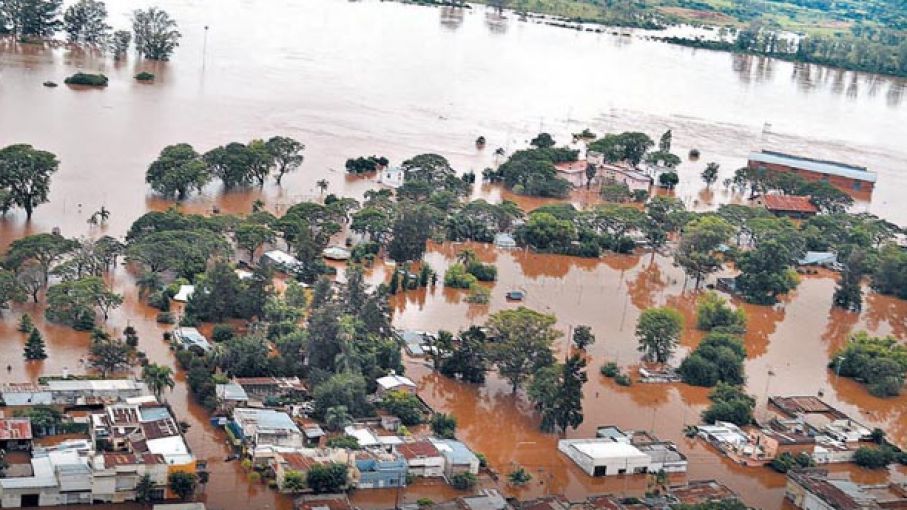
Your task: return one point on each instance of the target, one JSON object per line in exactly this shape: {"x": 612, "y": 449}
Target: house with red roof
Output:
{"x": 792, "y": 206}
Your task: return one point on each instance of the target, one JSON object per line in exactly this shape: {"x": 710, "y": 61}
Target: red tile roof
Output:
{"x": 789, "y": 203}
{"x": 418, "y": 449}
{"x": 15, "y": 428}
{"x": 298, "y": 462}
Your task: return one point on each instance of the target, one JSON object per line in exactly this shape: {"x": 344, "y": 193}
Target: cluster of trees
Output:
{"x": 363, "y": 165}
{"x": 532, "y": 172}
{"x": 79, "y": 292}
{"x": 179, "y": 169}
{"x": 759, "y": 180}
{"x": 718, "y": 359}
{"x": 518, "y": 344}
{"x": 85, "y": 22}
{"x": 731, "y": 404}
{"x": 467, "y": 272}
{"x": 878, "y": 362}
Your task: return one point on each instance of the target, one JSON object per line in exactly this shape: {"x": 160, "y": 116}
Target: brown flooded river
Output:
{"x": 355, "y": 78}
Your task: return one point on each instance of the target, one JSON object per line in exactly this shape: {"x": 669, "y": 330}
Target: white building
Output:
{"x": 392, "y": 177}
{"x": 604, "y": 457}
{"x": 422, "y": 458}
{"x": 280, "y": 260}
{"x": 458, "y": 458}
{"x": 264, "y": 427}
{"x": 394, "y": 382}
{"x": 191, "y": 337}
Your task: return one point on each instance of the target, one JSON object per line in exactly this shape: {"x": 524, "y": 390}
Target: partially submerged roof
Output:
{"x": 859, "y": 173}
{"x": 789, "y": 203}
{"x": 15, "y": 429}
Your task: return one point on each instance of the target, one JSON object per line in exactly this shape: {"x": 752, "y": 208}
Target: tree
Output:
{"x": 342, "y": 389}
{"x": 182, "y": 483}
{"x": 34, "y": 346}
{"x": 718, "y": 358}
{"x": 714, "y": 314}
{"x": 849, "y": 293}
{"x": 286, "y": 153}
{"x": 121, "y": 41}
{"x": 731, "y": 404}
{"x": 710, "y": 174}
{"x": 252, "y": 236}
{"x": 542, "y": 141}
{"x": 767, "y": 271}
{"x": 25, "y": 324}
{"x": 583, "y": 337}
{"x": 85, "y": 22}
{"x": 557, "y": 392}
{"x": 71, "y": 302}
{"x": 463, "y": 481}
{"x": 628, "y": 146}
{"x": 522, "y": 343}
{"x": 232, "y": 164}
{"x": 158, "y": 377}
{"x": 11, "y": 289}
{"x": 519, "y": 476}
{"x": 664, "y": 143}
{"x": 880, "y": 362}
{"x": 668, "y": 179}
{"x": 469, "y": 359}
{"x": 403, "y": 405}
{"x": 260, "y": 161}
{"x": 144, "y": 489}
{"x": 444, "y": 425}
{"x": 697, "y": 252}
{"x": 411, "y": 229}
{"x": 658, "y": 331}
{"x": 337, "y": 417}
{"x": 35, "y": 18}
{"x": 177, "y": 171}
{"x": 873, "y": 458}
{"x": 155, "y": 33}
{"x": 293, "y": 482}
{"x": 322, "y": 185}
{"x": 25, "y": 172}
{"x": 108, "y": 354}
{"x": 327, "y": 478}
{"x": 44, "y": 249}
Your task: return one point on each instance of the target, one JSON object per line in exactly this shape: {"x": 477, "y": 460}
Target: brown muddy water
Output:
{"x": 355, "y": 78}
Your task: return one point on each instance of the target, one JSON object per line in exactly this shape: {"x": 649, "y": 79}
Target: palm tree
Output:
{"x": 467, "y": 256}
{"x": 322, "y": 185}
{"x": 337, "y": 417}
{"x": 158, "y": 377}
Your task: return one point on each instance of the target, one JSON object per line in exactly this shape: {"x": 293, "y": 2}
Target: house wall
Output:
{"x": 430, "y": 467}
{"x": 804, "y": 499}
{"x": 844, "y": 184}
{"x": 287, "y": 440}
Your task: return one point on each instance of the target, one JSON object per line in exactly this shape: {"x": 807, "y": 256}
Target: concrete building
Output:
{"x": 265, "y": 427}
{"x": 422, "y": 458}
{"x": 230, "y": 396}
{"x": 191, "y": 338}
{"x": 847, "y": 178}
{"x": 634, "y": 179}
{"x": 605, "y": 457}
{"x": 15, "y": 434}
{"x": 379, "y": 469}
{"x": 458, "y": 458}
{"x": 115, "y": 475}
{"x": 280, "y": 261}
{"x": 392, "y": 177}
{"x": 573, "y": 172}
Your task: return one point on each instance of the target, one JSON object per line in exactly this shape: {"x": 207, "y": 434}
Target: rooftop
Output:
{"x": 793, "y": 406}
{"x": 457, "y": 452}
{"x": 789, "y": 203}
{"x": 418, "y": 449}
{"x": 702, "y": 491}
{"x": 392, "y": 381}
{"x": 814, "y": 165}
{"x": 604, "y": 448}
{"x": 15, "y": 428}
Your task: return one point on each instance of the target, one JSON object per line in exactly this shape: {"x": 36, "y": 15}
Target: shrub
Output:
{"x": 718, "y": 358}
{"x": 456, "y": 277}
{"x": 222, "y": 333}
{"x": 444, "y": 425}
{"x": 623, "y": 380}
{"x": 145, "y": 76}
{"x": 873, "y": 458}
{"x": 478, "y": 295}
{"x": 713, "y": 313}
{"x": 92, "y": 80}
{"x": 463, "y": 481}
{"x": 347, "y": 442}
{"x": 165, "y": 318}
{"x": 483, "y": 272}
{"x": 610, "y": 369}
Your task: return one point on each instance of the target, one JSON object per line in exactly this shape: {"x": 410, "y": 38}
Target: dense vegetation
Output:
{"x": 880, "y": 363}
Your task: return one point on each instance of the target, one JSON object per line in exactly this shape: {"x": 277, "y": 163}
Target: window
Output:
{"x": 857, "y": 185}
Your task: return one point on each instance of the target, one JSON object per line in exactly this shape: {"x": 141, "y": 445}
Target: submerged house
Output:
{"x": 845, "y": 177}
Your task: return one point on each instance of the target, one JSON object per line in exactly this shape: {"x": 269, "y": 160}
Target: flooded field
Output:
{"x": 432, "y": 80}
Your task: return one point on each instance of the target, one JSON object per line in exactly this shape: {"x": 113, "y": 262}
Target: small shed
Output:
{"x": 504, "y": 240}
{"x": 184, "y": 293}
{"x": 190, "y": 337}
{"x": 394, "y": 382}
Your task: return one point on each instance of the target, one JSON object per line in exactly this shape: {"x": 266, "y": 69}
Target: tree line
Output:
{"x": 154, "y": 33}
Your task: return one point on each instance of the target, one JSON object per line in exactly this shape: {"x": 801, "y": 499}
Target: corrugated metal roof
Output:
{"x": 814, "y": 165}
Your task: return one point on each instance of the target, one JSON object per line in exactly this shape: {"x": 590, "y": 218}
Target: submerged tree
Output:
{"x": 658, "y": 331}
{"x": 86, "y": 22}
{"x": 34, "y": 346}
{"x": 120, "y": 43}
{"x": 849, "y": 293}
{"x": 557, "y": 392}
{"x": 25, "y": 172}
{"x": 522, "y": 343}
{"x": 286, "y": 153}
{"x": 178, "y": 170}
{"x": 156, "y": 34}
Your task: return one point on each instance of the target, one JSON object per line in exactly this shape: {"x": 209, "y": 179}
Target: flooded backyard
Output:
{"x": 360, "y": 78}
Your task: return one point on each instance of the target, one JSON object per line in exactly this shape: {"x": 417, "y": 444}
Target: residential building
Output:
{"x": 394, "y": 382}
{"x": 422, "y": 458}
{"x": 379, "y": 469}
{"x": 605, "y": 457}
{"x": 634, "y": 179}
{"x": 265, "y": 427}
{"x": 573, "y": 172}
{"x": 813, "y": 417}
{"x": 191, "y": 338}
{"x": 230, "y": 396}
{"x": 697, "y": 492}
{"x": 15, "y": 434}
{"x": 504, "y": 240}
{"x": 392, "y": 177}
{"x": 791, "y": 206}
{"x": 814, "y": 490}
{"x": 115, "y": 475}
{"x": 73, "y": 392}
{"x": 845, "y": 177}
{"x": 732, "y": 441}
{"x": 261, "y": 388}
{"x": 60, "y": 476}
{"x": 487, "y": 499}
{"x": 458, "y": 458}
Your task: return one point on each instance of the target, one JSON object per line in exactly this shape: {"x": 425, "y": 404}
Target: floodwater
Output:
{"x": 358, "y": 78}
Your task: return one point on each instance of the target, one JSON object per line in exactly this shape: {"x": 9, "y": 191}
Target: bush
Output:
{"x": 347, "y": 442}
{"x": 785, "y": 462}
{"x": 456, "y": 277}
{"x": 444, "y": 425}
{"x": 873, "y": 458}
{"x": 718, "y": 358}
{"x": 610, "y": 369}
{"x": 403, "y": 405}
{"x": 713, "y": 313}
{"x": 463, "y": 481}
{"x": 623, "y": 380}
{"x": 222, "y": 333}
{"x": 92, "y": 80}
{"x": 145, "y": 76}
{"x": 165, "y": 318}
{"x": 483, "y": 272}
{"x": 730, "y": 404}
{"x": 478, "y": 295}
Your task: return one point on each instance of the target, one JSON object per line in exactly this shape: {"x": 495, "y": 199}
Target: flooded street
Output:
{"x": 361, "y": 78}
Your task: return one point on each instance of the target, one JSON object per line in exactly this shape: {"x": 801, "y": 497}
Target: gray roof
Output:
{"x": 231, "y": 391}
{"x": 815, "y": 165}
{"x": 27, "y": 398}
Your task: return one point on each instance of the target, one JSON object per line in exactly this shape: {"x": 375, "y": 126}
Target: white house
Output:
{"x": 604, "y": 457}
{"x": 394, "y": 382}
{"x": 267, "y": 427}
{"x": 392, "y": 177}
{"x": 422, "y": 458}
{"x": 458, "y": 458}
{"x": 280, "y": 260}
